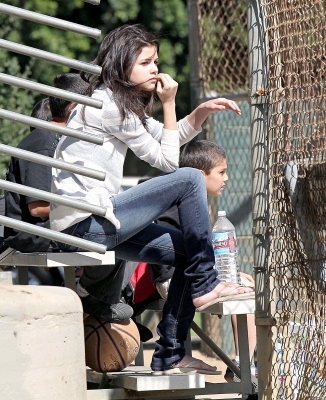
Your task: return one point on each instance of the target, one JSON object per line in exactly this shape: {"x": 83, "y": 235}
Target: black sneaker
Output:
{"x": 109, "y": 312}
{"x": 230, "y": 376}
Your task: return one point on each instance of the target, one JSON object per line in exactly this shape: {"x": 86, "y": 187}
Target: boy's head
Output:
{"x": 71, "y": 82}
{"x": 210, "y": 159}
{"x": 41, "y": 110}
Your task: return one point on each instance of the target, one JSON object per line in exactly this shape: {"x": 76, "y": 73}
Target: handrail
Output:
{"x": 62, "y": 130}
{"x": 50, "y": 90}
{"x": 52, "y": 235}
{"x": 51, "y": 197}
{"x": 95, "y": 2}
{"x": 52, "y": 57}
{"x": 50, "y": 21}
{"x": 51, "y": 162}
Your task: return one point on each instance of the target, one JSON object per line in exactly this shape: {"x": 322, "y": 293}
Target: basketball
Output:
{"x": 110, "y": 346}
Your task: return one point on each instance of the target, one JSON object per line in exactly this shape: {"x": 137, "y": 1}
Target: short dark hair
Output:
{"x": 203, "y": 155}
{"x": 71, "y": 82}
{"x": 41, "y": 110}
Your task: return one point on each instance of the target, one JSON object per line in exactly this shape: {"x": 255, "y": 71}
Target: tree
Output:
{"x": 166, "y": 18}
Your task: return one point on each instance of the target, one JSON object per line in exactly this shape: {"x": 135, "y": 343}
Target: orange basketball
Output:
{"x": 110, "y": 346}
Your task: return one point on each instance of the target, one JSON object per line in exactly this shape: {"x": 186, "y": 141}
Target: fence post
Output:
{"x": 194, "y": 56}
{"x": 257, "y": 51}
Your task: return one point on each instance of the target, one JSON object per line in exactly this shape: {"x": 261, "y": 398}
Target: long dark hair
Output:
{"x": 117, "y": 55}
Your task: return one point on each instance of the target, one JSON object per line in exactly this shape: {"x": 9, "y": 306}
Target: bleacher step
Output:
{"x": 140, "y": 379}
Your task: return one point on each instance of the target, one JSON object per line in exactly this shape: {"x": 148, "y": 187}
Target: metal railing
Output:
{"x": 20, "y": 118}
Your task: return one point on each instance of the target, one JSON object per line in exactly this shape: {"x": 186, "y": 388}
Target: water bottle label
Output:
{"x": 224, "y": 243}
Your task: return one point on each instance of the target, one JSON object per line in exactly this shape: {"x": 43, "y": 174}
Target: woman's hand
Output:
{"x": 220, "y": 104}
{"x": 199, "y": 115}
{"x": 166, "y": 88}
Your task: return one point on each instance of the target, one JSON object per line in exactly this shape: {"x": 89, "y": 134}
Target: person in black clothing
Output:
{"x": 29, "y": 209}
{"x": 42, "y": 111}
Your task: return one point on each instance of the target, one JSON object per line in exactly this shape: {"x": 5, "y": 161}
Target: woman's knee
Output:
{"x": 194, "y": 175}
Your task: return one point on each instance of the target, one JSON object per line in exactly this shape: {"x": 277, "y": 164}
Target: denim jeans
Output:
{"x": 138, "y": 239}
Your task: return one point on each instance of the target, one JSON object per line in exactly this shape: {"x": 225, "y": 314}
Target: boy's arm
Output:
{"x": 39, "y": 208}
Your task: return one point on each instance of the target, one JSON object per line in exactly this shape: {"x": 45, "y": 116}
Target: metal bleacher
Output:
{"x": 134, "y": 382}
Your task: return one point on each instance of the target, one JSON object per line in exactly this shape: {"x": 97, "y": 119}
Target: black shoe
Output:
{"x": 109, "y": 312}
{"x": 230, "y": 376}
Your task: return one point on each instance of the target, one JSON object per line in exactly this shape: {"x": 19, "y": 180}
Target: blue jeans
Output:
{"x": 189, "y": 250}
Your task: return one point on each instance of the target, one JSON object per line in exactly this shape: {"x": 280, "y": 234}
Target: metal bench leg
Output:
{"x": 246, "y": 386}
{"x": 22, "y": 274}
{"x": 139, "y": 360}
{"x": 69, "y": 277}
{"x": 188, "y": 345}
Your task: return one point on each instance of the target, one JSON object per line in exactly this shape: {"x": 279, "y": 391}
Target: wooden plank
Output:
{"x": 229, "y": 307}
{"x": 60, "y": 259}
{"x": 241, "y": 306}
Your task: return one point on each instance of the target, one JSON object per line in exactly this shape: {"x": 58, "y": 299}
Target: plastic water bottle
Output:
{"x": 225, "y": 249}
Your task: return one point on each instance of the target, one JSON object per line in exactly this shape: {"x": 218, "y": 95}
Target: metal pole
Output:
{"x": 50, "y": 21}
{"x": 230, "y": 96}
{"x": 194, "y": 52}
{"x": 61, "y": 130}
{"x": 51, "y": 197}
{"x": 47, "y": 56}
{"x": 220, "y": 353}
{"x": 95, "y": 2}
{"x": 52, "y": 235}
{"x": 51, "y": 162}
{"x": 50, "y": 90}
{"x": 260, "y": 191}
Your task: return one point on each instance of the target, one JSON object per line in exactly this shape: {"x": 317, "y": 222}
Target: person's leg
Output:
{"x": 185, "y": 188}
{"x": 177, "y": 314}
{"x": 115, "y": 274}
{"x": 142, "y": 204}
{"x": 137, "y": 207}
{"x": 252, "y": 339}
{"x": 138, "y": 239}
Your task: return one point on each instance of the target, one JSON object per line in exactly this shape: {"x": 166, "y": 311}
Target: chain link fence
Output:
{"x": 223, "y": 72}
{"x": 223, "y": 46}
{"x": 295, "y": 36}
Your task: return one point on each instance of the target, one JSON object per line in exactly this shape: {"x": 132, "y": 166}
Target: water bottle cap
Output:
{"x": 221, "y": 214}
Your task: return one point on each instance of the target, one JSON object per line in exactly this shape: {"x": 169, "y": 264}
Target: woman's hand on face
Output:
{"x": 221, "y": 104}
{"x": 166, "y": 88}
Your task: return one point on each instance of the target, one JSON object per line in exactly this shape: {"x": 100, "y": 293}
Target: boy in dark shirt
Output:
{"x": 38, "y": 176}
